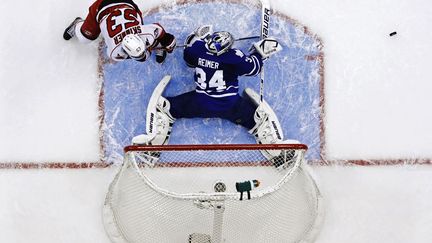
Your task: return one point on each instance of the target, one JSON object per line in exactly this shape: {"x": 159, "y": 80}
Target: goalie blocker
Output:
{"x": 267, "y": 47}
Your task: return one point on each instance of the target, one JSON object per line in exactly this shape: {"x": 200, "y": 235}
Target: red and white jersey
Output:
{"x": 113, "y": 39}
{"x": 116, "y": 19}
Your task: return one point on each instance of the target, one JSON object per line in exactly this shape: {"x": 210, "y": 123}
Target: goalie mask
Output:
{"x": 220, "y": 42}
{"x": 134, "y": 46}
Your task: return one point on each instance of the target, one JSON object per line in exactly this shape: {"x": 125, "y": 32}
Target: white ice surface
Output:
{"x": 377, "y": 98}
{"x": 389, "y": 204}
{"x": 49, "y": 91}
{"x": 377, "y": 87}
{"x": 53, "y": 206}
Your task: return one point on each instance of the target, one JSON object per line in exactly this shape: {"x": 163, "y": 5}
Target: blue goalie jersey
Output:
{"x": 216, "y": 93}
{"x": 217, "y": 76}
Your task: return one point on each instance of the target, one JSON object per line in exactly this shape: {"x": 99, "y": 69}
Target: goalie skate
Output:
{"x": 285, "y": 158}
{"x": 147, "y": 157}
{"x": 158, "y": 124}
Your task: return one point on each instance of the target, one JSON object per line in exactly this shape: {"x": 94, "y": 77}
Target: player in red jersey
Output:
{"x": 122, "y": 27}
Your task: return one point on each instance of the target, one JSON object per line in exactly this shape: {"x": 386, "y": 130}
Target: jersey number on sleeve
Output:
{"x": 216, "y": 81}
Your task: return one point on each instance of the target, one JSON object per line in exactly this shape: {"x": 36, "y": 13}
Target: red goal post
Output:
{"x": 215, "y": 147}
{"x": 186, "y": 147}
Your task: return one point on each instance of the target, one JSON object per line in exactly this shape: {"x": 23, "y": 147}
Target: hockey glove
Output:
{"x": 266, "y": 47}
{"x": 204, "y": 31}
{"x": 201, "y": 33}
{"x": 190, "y": 40}
{"x": 168, "y": 41}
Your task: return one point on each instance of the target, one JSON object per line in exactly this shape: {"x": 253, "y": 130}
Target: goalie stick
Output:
{"x": 239, "y": 39}
{"x": 247, "y": 38}
{"x": 265, "y": 24}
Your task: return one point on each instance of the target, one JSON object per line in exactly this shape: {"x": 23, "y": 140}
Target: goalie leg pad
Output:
{"x": 159, "y": 120}
{"x": 265, "y": 132}
{"x": 267, "y": 129}
{"x": 160, "y": 123}
{"x": 163, "y": 122}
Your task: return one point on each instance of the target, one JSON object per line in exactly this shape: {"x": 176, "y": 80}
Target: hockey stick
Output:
{"x": 239, "y": 39}
{"x": 248, "y": 38}
{"x": 265, "y": 22}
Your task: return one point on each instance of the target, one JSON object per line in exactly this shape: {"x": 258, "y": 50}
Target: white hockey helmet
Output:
{"x": 134, "y": 46}
{"x": 219, "y": 42}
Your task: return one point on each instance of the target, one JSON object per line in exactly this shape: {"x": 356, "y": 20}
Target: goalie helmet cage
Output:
{"x": 213, "y": 193}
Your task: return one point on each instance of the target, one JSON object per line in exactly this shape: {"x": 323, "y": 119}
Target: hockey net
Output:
{"x": 213, "y": 193}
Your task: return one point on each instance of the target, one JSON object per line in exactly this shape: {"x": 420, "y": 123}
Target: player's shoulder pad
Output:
{"x": 197, "y": 46}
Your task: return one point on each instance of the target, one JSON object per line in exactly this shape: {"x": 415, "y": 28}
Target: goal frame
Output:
{"x": 115, "y": 233}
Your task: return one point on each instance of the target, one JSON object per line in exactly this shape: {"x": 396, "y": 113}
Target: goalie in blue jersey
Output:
{"x": 217, "y": 68}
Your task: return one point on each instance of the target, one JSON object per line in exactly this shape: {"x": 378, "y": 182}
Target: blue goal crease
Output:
{"x": 291, "y": 85}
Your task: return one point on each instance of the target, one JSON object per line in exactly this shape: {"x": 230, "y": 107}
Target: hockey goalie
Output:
{"x": 217, "y": 67}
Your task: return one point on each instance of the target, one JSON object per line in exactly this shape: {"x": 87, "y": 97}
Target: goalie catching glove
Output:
{"x": 266, "y": 47}
{"x": 201, "y": 33}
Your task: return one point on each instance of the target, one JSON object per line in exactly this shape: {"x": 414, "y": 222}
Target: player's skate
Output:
{"x": 160, "y": 55}
{"x": 70, "y": 30}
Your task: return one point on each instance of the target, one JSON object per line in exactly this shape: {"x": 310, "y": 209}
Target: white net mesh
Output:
{"x": 193, "y": 195}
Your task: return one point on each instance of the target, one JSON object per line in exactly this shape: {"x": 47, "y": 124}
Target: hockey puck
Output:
{"x": 219, "y": 186}
{"x": 393, "y": 33}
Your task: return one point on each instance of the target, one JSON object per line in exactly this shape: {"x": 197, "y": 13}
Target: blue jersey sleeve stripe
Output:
{"x": 257, "y": 66}
{"x": 216, "y": 95}
{"x": 236, "y": 87}
{"x": 253, "y": 69}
